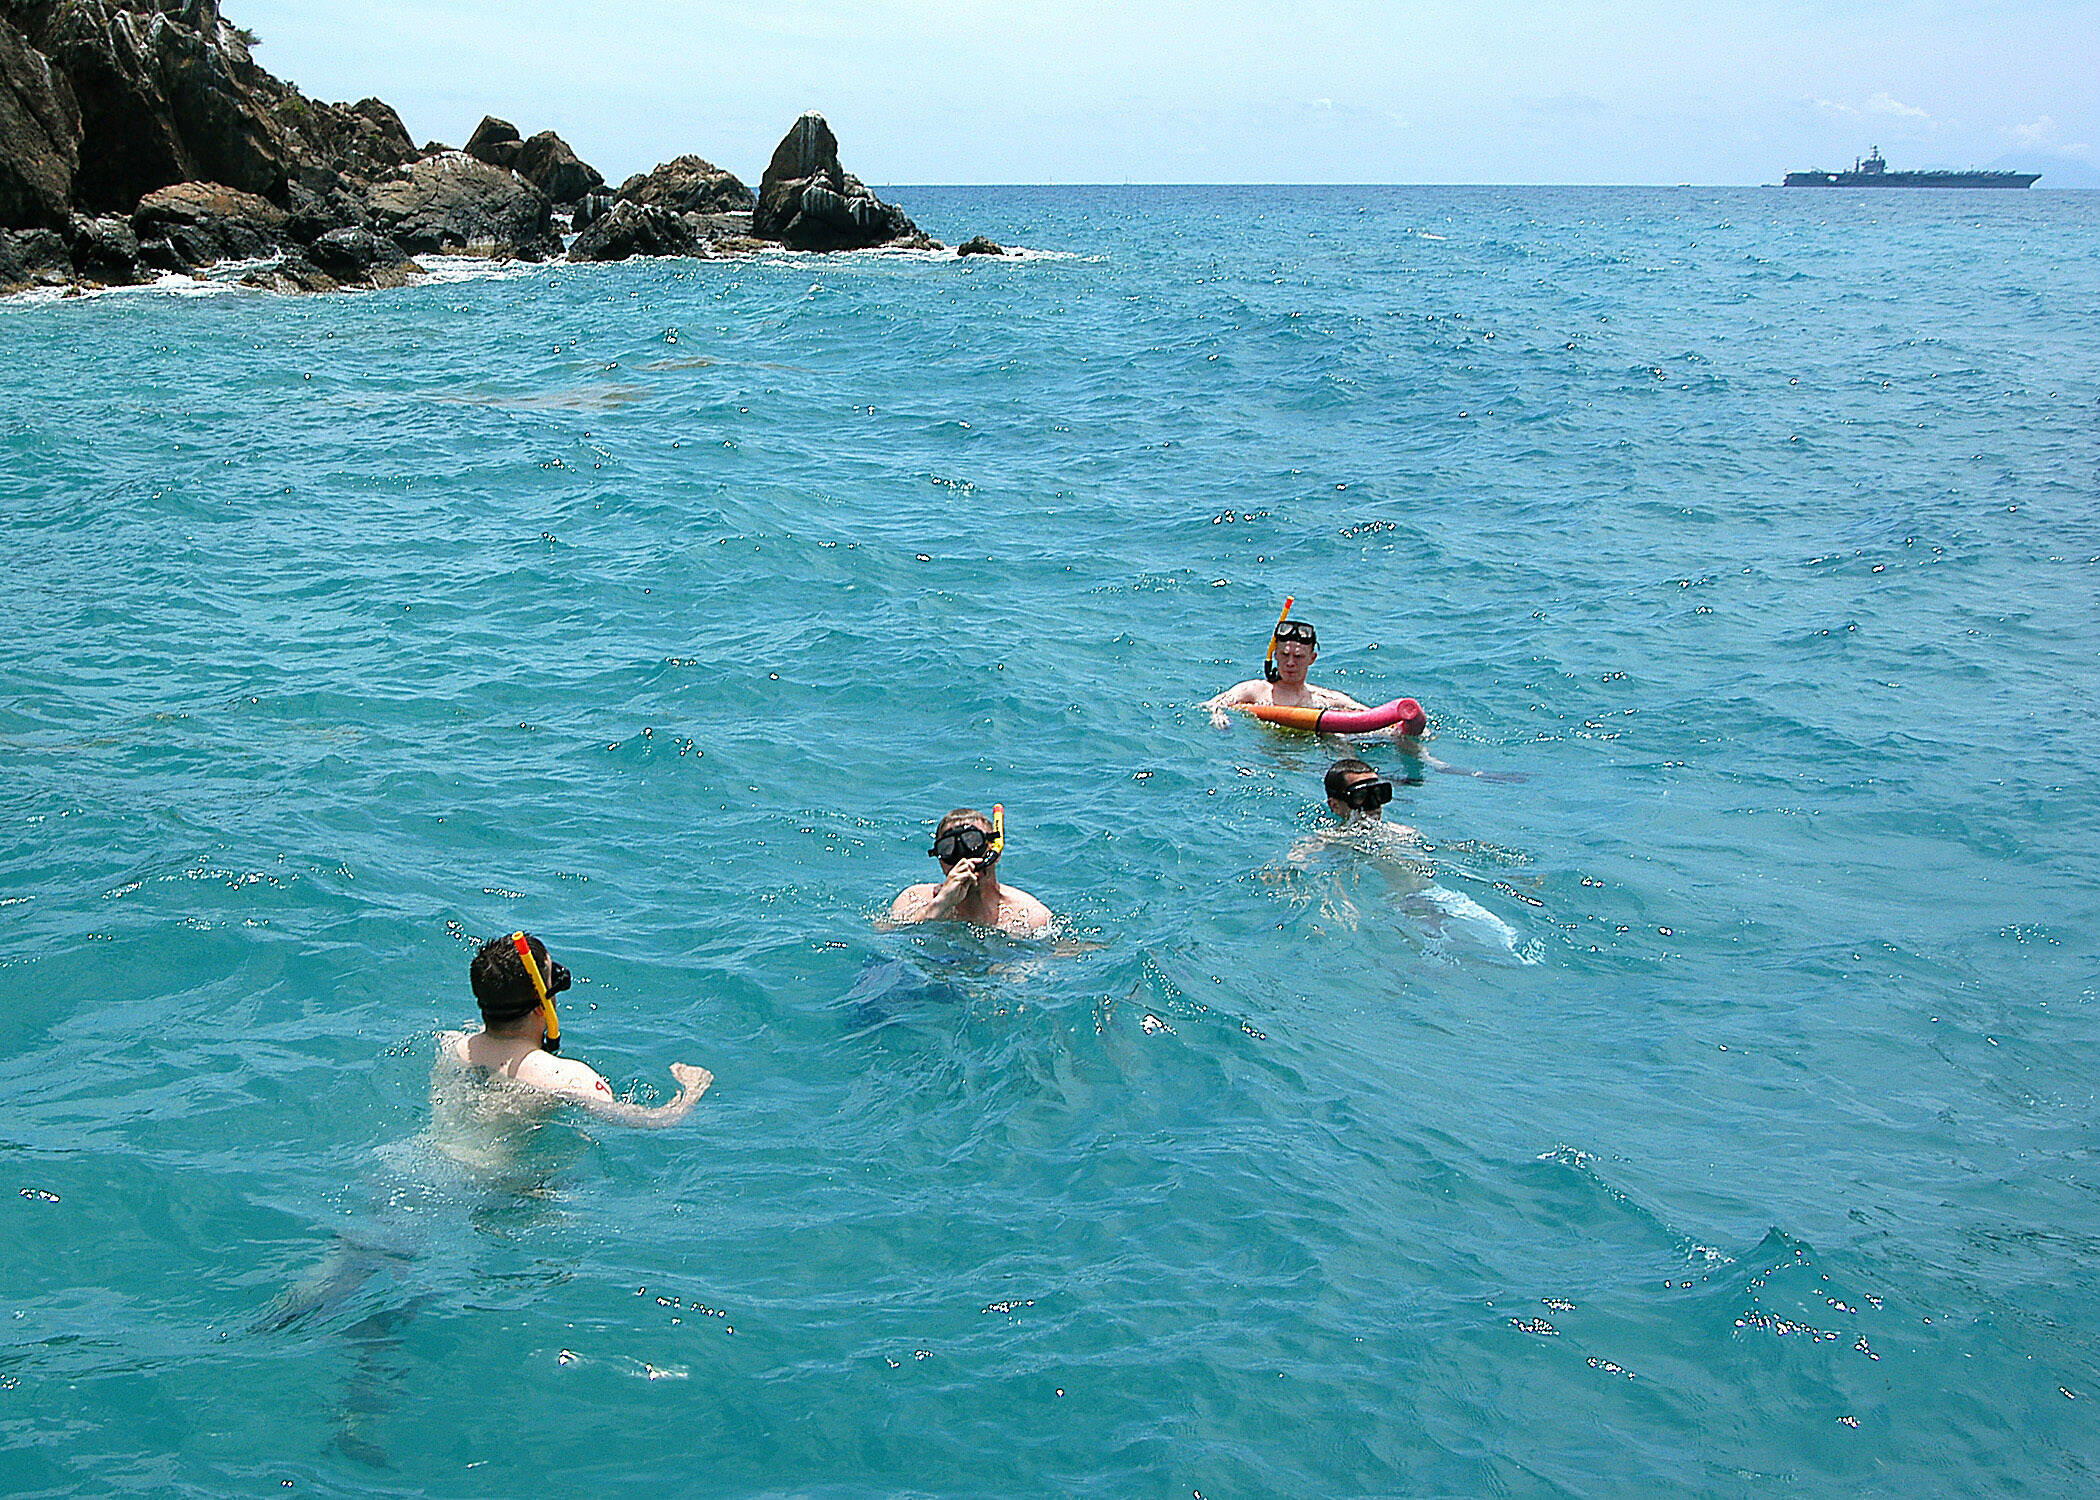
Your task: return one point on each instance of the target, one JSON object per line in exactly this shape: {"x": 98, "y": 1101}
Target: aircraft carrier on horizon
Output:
{"x": 1872, "y": 171}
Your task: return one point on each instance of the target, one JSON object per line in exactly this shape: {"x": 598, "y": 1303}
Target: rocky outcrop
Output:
{"x": 195, "y": 223}
{"x": 140, "y": 135}
{"x": 631, "y": 229}
{"x": 455, "y": 205}
{"x": 39, "y": 136}
{"x": 686, "y": 184}
{"x": 104, "y": 250}
{"x": 628, "y": 230}
{"x": 548, "y": 164}
{"x": 808, "y": 201}
{"x": 33, "y": 257}
{"x": 980, "y": 245}
{"x": 165, "y": 92}
{"x": 495, "y": 142}
{"x": 360, "y": 257}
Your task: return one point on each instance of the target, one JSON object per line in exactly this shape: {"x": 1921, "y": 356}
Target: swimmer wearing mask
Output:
{"x": 1293, "y": 647}
{"x": 968, "y": 845}
{"x": 1356, "y": 793}
{"x": 515, "y": 983}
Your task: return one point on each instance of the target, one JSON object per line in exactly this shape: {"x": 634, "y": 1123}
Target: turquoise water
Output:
{"x": 1706, "y": 1108}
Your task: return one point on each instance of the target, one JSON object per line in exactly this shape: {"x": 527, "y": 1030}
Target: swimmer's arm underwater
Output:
{"x": 585, "y": 1086}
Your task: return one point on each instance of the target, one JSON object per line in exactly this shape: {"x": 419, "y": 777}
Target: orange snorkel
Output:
{"x": 1268, "y": 665}
{"x": 551, "y": 1021}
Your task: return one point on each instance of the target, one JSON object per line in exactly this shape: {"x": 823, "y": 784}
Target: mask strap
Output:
{"x": 1268, "y": 665}
{"x": 548, "y": 1018}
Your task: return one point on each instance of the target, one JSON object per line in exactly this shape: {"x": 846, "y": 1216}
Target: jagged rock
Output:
{"x": 338, "y": 149}
{"x": 295, "y": 273}
{"x": 590, "y": 208}
{"x": 980, "y": 245}
{"x": 495, "y": 142}
{"x": 630, "y": 229}
{"x": 104, "y": 250}
{"x": 721, "y": 228}
{"x": 314, "y": 214}
{"x": 808, "y": 201}
{"x": 208, "y": 221}
{"x": 359, "y": 255}
{"x": 432, "y": 148}
{"x": 30, "y": 257}
{"x": 39, "y": 135}
{"x": 166, "y": 92}
{"x": 453, "y": 204}
{"x": 686, "y": 184}
{"x": 548, "y": 164}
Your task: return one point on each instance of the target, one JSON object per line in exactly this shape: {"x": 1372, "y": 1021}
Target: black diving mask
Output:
{"x": 1367, "y": 795}
{"x": 966, "y": 842}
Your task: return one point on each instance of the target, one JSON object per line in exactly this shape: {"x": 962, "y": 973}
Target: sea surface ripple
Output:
{"x": 1709, "y": 1108}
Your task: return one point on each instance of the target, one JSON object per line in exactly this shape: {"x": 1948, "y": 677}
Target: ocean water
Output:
{"x": 1704, "y": 1103}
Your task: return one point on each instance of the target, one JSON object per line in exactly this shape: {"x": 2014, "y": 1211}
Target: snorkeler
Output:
{"x": 1356, "y": 793}
{"x": 968, "y": 845}
{"x": 515, "y": 984}
{"x": 1292, "y": 649}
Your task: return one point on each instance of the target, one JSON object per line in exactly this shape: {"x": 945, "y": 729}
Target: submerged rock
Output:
{"x": 631, "y": 229}
{"x": 687, "y": 184}
{"x": 39, "y": 136}
{"x": 456, "y": 205}
{"x": 548, "y": 164}
{"x": 980, "y": 245}
{"x": 202, "y": 222}
{"x": 808, "y": 201}
{"x": 295, "y": 273}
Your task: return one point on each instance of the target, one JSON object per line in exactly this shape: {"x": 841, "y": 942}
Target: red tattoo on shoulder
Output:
{"x": 604, "y": 1087}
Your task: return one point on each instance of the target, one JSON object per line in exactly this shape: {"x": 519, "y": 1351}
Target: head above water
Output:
{"x": 1354, "y": 786}
{"x": 503, "y": 989}
{"x": 966, "y": 833}
{"x": 1293, "y": 645}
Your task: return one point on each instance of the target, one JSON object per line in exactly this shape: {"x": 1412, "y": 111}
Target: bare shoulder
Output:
{"x": 1253, "y": 690}
{"x": 564, "y": 1076}
{"x": 1021, "y": 912}
{"x": 452, "y": 1047}
{"x": 911, "y": 901}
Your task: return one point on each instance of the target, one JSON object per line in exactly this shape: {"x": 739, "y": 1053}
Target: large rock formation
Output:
{"x": 453, "y": 204}
{"x": 39, "y": 135}
{"x": 166, "y": 93}
{"x": 686, "y": 184}
{"x": 807, "y": 201}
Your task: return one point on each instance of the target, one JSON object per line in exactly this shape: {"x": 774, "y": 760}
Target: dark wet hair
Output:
{"x": 1344, "y": 771}
{"x": 502, "y": 988}
{"x": 963, "y": 817}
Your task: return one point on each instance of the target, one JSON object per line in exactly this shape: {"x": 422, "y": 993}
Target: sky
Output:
{"x": 1298, "y": 91}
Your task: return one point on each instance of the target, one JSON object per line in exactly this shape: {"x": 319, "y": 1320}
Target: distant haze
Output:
{"x": 958, "y": 91}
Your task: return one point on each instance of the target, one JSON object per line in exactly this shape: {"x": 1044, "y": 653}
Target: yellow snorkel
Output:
{"x": 998, "y": 828}
{"x": 1268, "y": 664}
{"x": 551, "y": 1021}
